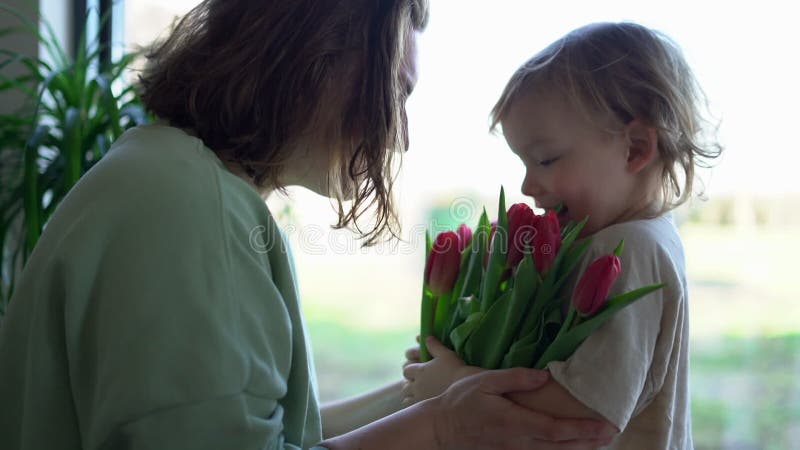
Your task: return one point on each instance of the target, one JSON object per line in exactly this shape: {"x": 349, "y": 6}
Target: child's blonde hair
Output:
{"x": 625, "y": 71}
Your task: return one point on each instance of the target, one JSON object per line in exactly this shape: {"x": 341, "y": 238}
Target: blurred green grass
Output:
{"x": 745, "y": 392}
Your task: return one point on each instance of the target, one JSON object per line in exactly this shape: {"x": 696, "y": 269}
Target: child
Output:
{"x": 607, "y": 123}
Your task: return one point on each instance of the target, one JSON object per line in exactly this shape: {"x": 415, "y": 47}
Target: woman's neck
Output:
{"x": 236, "y": 169}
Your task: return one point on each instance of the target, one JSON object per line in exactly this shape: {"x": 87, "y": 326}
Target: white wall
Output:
{"x": 57, "y": 13}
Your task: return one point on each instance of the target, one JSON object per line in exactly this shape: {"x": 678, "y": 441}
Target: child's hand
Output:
{"x": 429, "y": 379}
{"x": 412, "y": 355}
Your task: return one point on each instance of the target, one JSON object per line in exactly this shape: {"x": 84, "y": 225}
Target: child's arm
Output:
{"x": 342, "y": 416}
{"x": 426, "y": 380}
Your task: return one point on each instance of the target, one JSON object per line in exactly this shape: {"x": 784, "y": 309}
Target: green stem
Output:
{"x": 426, "y": 325}
{"x": 441, "y": 318}
{"x": 567, "y": 325}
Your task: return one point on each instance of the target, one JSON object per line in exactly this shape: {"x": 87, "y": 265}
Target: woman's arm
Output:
{"x": 426, "y": 380}
{"x": 342, "y": 416}
{"x": 474, "y": 413}
{"x": 554, "y": 400}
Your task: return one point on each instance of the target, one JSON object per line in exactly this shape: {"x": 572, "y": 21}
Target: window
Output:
{"x": 740, "y": 245}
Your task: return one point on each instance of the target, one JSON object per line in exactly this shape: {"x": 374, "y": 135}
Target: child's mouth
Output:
{"x": 563, "y": 215}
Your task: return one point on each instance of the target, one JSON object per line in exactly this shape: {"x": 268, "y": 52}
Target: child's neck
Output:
{"x": 643, "y": 206}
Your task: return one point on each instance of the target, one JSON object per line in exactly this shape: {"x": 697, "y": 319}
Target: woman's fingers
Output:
{"x": 503, "y": 381}
{"x": 475, "y": 412}
{"x": 570, "y": 432}
{"x": 570, "y": 445}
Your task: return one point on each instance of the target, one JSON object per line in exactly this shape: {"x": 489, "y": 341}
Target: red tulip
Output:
{"x": 592, "y": 289}
{"x": 520, "y": 232}
{"x": 464, "y": 236}
{"x": 546, "y": 241}
{"x": 441, "y": 269}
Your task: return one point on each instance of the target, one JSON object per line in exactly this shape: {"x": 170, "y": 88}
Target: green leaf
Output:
{"x": 426, "y": 323}
{"x": 22, "y": 84}
{"x": 618, "y": 249}
{"x": 32, "y": 202}
{"x": 573, "y": 256}
{"x": 499, "y": 336}
{"x": 469, "y": 279}
{"x": 110, "y": 104}
{"x": 497, "y": 256}
{"x": 478, "y": 248}
{"x": 478, "y": 349}
{"x": 462, "y": 333}
{"x": 445, "y": 307}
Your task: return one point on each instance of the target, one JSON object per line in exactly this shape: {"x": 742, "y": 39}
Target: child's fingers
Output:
{"x": 436, "y": 349}
{"x": 410, "y": 371}
{"x": 412, "y": 355}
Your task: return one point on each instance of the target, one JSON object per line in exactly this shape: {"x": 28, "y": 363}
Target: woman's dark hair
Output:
{"x": 251, "y": 77}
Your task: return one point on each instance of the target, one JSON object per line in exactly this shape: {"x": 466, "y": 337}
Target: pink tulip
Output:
{"x": 520, "y": 232}
{"x": 594, "y": 285}
{"x": 546, "y": 241}
{"x": 443, "y": 263}
{"x": 464, "y": 236}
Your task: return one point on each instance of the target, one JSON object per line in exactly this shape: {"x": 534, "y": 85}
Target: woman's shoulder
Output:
{"x": 155, "y": 184}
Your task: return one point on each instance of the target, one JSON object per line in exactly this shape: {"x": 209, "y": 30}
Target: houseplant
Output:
{"x": 75, "y": 107}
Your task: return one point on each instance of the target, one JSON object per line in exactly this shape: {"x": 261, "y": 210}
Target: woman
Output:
{"x": 147, "y": 319}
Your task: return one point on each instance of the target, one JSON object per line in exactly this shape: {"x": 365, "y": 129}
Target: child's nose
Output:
{"x": 531, "y": 187}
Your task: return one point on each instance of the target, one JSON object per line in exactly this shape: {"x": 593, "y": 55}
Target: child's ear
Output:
{"x": 642, "y": 145}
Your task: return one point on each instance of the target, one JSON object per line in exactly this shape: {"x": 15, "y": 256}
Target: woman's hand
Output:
{"x": 429, "y": 379}
{"x": 474, "y": 413}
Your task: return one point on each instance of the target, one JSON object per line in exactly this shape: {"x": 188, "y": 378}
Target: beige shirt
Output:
{"x": 634, "y": 369}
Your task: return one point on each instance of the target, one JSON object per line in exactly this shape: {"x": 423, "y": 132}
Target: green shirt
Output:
{"x": 159, "y": 310}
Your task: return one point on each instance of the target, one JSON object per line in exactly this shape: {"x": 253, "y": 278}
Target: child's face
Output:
{"x": 570, "y": 160}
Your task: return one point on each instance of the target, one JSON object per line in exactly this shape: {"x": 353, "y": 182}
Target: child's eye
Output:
{"x": 547, "y": 162}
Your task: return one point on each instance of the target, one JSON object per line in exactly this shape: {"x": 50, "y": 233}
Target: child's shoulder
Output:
{"x": 652, "y": 253}
{"x": 652, "y": 247}
{"x": 643, "y": 235}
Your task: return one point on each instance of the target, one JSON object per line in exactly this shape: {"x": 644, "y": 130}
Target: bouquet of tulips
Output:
{"x": 494, "y": 295}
